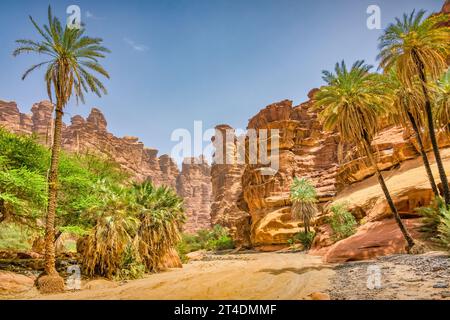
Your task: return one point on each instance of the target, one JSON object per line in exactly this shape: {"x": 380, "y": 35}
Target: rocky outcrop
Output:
{"x": 305, "y": 150}
{"x": 13, "y": 284}
{"x": 228, "y": 207}
{"x": 194, "y": 185}
{"x": 91, "y": 135}
{"x": 372, "y": 240}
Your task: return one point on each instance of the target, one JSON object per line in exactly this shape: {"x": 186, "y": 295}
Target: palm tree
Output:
{"x": 304, "y": 201}
{"x": 418, "y": 49}
{"x": 161, "y": 220}
{"x": 70, "y": 58}
{"x": 442, "y": 103}
{"x": 351, "y": 103}
{"x": 407, "y": 111}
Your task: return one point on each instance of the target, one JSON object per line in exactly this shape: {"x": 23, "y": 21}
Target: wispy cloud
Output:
{"x": 91, "y": 15}
{"x": 135, "y": 46}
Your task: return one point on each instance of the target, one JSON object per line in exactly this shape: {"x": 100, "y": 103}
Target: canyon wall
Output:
{"x": 91, "y": 135}
{"x": 242, "y": 193}
{"x": 194, "y": 185}
{"x": 305, "y": 150}
{"x": 228, "y": 207}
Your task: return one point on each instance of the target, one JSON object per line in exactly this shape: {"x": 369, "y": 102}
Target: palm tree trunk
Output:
{"x": 52, "y": 195}
{"x": 426, "y": 163}
{"x": 388, "y": 197}
{"x": 429, "y": 114}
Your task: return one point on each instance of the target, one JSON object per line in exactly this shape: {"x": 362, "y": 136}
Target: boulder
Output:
{"x": 372, "y": 240}
{"x": 12, "y": 284}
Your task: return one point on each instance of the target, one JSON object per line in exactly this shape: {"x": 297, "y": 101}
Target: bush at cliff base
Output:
{"x": 436, "y": 219}
{"x": 215, "y": 240}
{"x": 136, "y": 228}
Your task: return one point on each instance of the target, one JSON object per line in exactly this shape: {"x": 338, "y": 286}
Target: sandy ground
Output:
{"x": 237, "y": 276}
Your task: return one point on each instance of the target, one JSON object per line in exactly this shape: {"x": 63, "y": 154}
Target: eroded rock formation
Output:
{"x": 91, "y": 135}
{"x": 228, "y": 207}
{"x": 305, "y": 150}
{"x": 194, "y": 185}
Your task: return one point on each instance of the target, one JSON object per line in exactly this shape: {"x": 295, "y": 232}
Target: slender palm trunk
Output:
{"x": 52, "y": 195}
{"x": 429, "y": 114}
{"x": 426, "y": 163}
{"x": 388, "y": 197}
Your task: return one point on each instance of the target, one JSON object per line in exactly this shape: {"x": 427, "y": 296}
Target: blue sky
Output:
{"x": 218, "y": 61}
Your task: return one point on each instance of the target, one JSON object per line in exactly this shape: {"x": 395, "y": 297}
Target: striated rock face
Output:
{"x": 194, "y": 185}
{"x": 91, "y": 135}
{"x": 336, "y": 169}
{"x": 304, "y": 151}
{"x": 228, "y": 207}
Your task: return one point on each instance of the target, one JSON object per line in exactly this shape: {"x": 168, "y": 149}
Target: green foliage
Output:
{"x": 23, "y": 185}
{"x": 342, "y": 222}
{"x": 303, "y": 190}
{"x": 136, "y": 227}
{"x": 304, "y": 198}
{"x": 15, "y": 237}
{"x": 216, "y": 239}
{"x": 305, "y": 238}
{"x": 436, "y": 219}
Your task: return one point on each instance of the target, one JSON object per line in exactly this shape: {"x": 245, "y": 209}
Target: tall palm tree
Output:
{"x": 418, "y": 49}
{"x": 351, "y": 103}
{"x": 71, "y": 57}
{"x": 407, "y": 111}
{"x": 304, "y": 201}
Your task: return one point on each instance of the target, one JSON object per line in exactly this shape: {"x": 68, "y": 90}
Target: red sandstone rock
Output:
{"x": 227, "y": 207}
{"x": 194, "y": 185}
{"x": 372, "y": 240}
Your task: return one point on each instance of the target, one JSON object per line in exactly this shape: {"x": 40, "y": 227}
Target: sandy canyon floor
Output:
{"x": 294, "y": 276}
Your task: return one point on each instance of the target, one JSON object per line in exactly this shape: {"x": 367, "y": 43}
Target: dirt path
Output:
{"x": 239, "y": 276}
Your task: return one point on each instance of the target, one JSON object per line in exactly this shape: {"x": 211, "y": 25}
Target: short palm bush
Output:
{"x": 135, "y": 229}
{"x": 304, "y": 201}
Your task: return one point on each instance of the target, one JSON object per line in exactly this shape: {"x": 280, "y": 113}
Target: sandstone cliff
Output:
{"x": 228, "y": 207}
{"x": 91, "y": 135}
{"x": 339, "y": 174}
{"x": 304, "y": 151}
{"x": 194, "y": 185}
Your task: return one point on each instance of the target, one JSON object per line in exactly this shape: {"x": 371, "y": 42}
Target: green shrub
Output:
{"x": 436, "y": 219}
{"x": 342, "y": 222}
{"x": 15, "y": 237}
{"x": 216, "y": 239}
{"x": 305, "y": 238}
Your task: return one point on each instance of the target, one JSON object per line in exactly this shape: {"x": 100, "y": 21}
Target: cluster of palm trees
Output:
{"x": 412, "y": 90}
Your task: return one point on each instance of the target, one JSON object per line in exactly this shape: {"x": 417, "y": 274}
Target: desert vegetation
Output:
{"x": 216, "y": 239}
{"x": 342, "y": 222}
{"x": 126, "y": 228}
